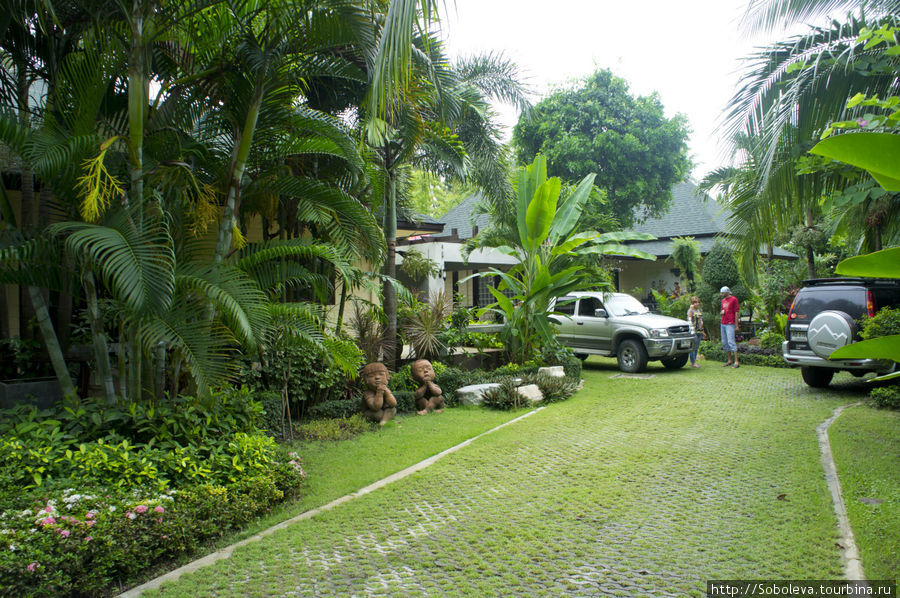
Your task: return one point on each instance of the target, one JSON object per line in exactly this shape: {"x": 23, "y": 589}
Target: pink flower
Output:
{"x": 48, "y": 509}
{"x": 159, "y": 519}
{"x": 88, "y": 538}
{"x": 90, "y": 523}
{"x": 90, "y": 515}
{"x": 32, "y": 566}
{"x": 159, "y": 509}
{"x": 862, "y": 122}
{"x": 64, "y": 533}
{"x": 141, "y": 509}
{"x": 130, "y": 515}
{"x": 48, "y": 521}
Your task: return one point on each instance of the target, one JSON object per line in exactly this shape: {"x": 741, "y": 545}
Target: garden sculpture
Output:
{"x": 429, "y": 396}
{"x": 378, "y": 404}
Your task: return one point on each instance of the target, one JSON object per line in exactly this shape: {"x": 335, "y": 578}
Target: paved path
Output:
{"x": 633, "y": 488}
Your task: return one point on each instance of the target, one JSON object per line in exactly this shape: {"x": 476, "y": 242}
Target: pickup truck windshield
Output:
{"x": 624, "y": 305}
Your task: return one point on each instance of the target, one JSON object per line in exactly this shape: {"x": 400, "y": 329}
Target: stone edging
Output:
{"x": 853, "y": 568}
{"x": 224, "y": 553}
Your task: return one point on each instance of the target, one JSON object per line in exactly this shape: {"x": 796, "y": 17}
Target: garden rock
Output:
{"x": 556, "y": 371}
{"x": 474, "y": 393}
{"x": 531, "y": 392}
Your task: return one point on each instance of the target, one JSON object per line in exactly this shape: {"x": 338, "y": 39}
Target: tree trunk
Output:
{"x": 810, "y": 263}
{"x": 392, "y": 352}
{"x": 52, "y": 343}
{"x": 101, "y": 347}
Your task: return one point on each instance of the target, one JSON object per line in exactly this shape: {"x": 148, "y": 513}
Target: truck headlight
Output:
{"x": 659, "y": 333}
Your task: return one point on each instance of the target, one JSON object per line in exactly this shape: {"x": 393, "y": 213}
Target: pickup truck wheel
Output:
{"x": 817, "y": 377}
{"x": 581, "y": 356}
{"x": 632, "y": 356}
{"x": 676, "y": 362}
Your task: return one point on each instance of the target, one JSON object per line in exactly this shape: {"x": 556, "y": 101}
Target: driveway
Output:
{"x": 634, "y": 487}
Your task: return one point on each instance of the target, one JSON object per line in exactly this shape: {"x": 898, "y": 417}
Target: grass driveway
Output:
{"x": 634, "y": 487}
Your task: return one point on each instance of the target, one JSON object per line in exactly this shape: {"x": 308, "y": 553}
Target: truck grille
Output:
{"x": 679, "y": 329}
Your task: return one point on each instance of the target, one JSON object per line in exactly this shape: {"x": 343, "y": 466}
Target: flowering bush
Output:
{"x": 91, "y": 495}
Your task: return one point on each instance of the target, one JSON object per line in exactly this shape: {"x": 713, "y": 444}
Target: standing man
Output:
{"x": 729, "y": 314}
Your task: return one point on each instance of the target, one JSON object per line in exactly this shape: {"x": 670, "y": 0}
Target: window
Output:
{"x": 588, "y": 305}
{"x": 566, "y": 305}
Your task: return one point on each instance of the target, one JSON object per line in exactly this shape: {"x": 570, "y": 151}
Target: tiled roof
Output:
{"x": 663, "y": 248}
{"x": 461, "y": 218}
{"x": 691, "y": 213}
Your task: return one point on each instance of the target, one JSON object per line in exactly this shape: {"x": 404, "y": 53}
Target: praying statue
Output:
{"x": 429, "y": 396}
{"x": 378, "y": 404}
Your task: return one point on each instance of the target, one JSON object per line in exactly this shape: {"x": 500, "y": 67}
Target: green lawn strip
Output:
{"x": 866, "y": 447}
{"x": 335, "y": 469}
{"x": 633, "y": 486}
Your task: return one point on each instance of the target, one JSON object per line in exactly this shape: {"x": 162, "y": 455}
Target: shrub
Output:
{"x": 403, "y": 379}
{"x": 887, "y": 397}
{"x": 335, "y": 409}
{"x": 573, "y": 368}
{"x": 271, "y": 421}
{"x": 554, "y": 388}
{"x": 770, "y": 339}
{"x": 749, "y": 355}
{"x": 335, "y": 429}
{"x": 885, "y": 323}
{"x": 406, "y": 401}
{"x": 505, "y": 396}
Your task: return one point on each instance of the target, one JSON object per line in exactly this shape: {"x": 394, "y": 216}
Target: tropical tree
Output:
{"x": 548, "y": 247}
{"x": 600, "y": 127}
{"x": 686, "y": 256}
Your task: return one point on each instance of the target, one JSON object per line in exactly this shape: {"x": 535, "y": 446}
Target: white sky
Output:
{"x": 686, "y": 50}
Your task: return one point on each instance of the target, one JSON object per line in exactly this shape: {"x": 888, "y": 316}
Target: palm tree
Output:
{"x": 767, "y": 15}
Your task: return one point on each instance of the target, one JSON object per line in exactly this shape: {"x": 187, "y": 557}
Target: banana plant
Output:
{"x": 879, "y": 155}
{"x": 549, "y": 251}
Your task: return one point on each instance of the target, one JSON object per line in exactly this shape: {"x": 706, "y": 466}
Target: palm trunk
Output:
{"x": 160, "y": 381}
{"x": 239, "y": 163}
{"x": 45, "y": 325}
{"x": 392, "y": 354}
{"x": 101, "y": 348}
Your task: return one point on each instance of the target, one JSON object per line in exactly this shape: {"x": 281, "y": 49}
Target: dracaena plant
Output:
{"x": 551, "y": 253}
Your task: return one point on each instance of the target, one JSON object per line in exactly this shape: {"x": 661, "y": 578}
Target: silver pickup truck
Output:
{"x": 617, "y": 324}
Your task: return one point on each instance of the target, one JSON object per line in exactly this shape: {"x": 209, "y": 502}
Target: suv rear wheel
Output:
{"x": 817, "y": 377}
{"x": 632, "y": 356}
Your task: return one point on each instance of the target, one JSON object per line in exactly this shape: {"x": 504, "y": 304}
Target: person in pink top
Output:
{"x": 729, "y": 315}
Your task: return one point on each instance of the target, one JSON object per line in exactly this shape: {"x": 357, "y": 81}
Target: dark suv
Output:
{"x": 827, "y": 314}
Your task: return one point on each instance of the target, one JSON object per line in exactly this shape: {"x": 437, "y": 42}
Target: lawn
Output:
{"x": 636, "y": 486}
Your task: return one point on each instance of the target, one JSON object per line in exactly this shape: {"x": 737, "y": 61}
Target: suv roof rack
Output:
{"x": 849, "y": 279}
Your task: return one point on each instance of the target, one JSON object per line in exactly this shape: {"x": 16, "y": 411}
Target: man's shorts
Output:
{"x": 728, "y": 337}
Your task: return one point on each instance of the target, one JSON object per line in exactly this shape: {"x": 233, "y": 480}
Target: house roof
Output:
{"x": 692, "y": 213}
{"x": 464, "y": 219}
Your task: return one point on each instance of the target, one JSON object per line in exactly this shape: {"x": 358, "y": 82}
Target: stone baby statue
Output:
{"x": 378, "y": 403}
{"x": 429, "y": 396}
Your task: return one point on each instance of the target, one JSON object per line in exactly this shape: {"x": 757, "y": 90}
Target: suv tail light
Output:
{"x": 870, "y": 303}
{"x": 791, "y": 314}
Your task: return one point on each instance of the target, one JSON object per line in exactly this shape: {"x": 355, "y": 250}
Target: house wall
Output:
{"x": 646, "y": 275}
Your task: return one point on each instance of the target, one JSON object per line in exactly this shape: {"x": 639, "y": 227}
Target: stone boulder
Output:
{"x": 556, "y": 371}
{"x": 531, "y": 393}
{"x": 474, "y": 393}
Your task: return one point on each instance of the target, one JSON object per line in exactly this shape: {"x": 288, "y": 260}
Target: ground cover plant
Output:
{"x": 640, "y": 483}
{"x": 91, "y": 494}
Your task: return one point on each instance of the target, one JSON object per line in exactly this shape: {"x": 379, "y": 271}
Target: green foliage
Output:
{"x": 504, "y": 397}
{"x": 417, "y": 266}
{"x": 674, "y": 307}
{"x": 887, "y": 397}
{"x": 307, "y": 369}
{"x": 554, "y": 388}
{"x": 335, "y": 429}
{"x": 771, "y": 339}
{"x": 22, "y": 359}
{"x": 720, "y": 270}
{"x": 885, "y": 323}
{"x": 403, "y": 380}
{"x": 600, "y": 127}
{"x": 686, "y": 255}
{"x": 550, "y": 254}
{"x": 406, "y": 401}
{"x": 336, "y": 409}
{"x": 423, "y": 325}
{"x": 713, "y": 351}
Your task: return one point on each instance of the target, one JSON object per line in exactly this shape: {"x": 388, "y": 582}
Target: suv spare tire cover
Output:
{"x": 828, "y": 331}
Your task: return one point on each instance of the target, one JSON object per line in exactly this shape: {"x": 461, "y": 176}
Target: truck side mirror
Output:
{"x": 600, "y": 313}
